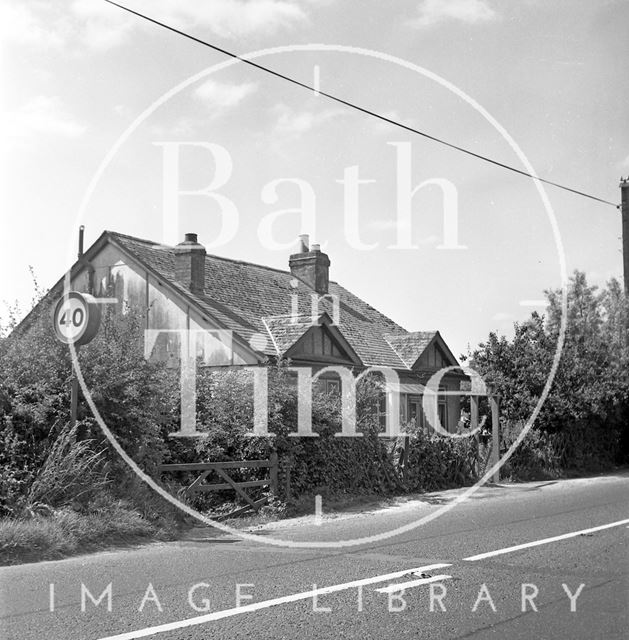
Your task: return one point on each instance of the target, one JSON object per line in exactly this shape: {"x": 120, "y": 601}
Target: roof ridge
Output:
{"x": 208, "y": 255}
{"x": 255, "y": 264}
{"x": 135, "y": 238}
{"x": 409, "y": 333}
{"x": 250, "y": 264}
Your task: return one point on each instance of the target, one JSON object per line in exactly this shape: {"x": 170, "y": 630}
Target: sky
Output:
{"x": 96, "y": 99}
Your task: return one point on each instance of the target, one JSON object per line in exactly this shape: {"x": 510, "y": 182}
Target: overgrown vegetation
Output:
{"x": 64, "y": 489}
{"x": 326, "y": 465}
{"x": 65, "y": 531}
{"x": 584, "y": 423}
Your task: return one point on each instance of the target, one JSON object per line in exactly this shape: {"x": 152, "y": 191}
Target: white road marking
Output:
{"x": 393, "y": 588}
{"x": 305, "y": 595}
{"x": 536, "y": 543}
{"x": 265, "y": 604}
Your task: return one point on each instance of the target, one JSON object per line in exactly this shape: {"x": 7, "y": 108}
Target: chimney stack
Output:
{"x": 311, "y": 266}
{"x": 190, "y": 264}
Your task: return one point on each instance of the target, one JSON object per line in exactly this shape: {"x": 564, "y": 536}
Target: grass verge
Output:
{"x": 67, "y": 532}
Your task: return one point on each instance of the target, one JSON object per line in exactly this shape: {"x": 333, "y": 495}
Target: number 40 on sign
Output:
{"x": 76, "y": 318}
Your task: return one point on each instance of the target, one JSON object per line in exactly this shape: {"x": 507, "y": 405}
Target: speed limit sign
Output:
{"x": 76, "y": 318}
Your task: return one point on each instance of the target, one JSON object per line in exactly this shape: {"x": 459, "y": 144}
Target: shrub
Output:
{"x": 435, "y": 462}
{"x": 131, "y": 394}
{"x": 534, "y": 459}
{"x": 65, "y": 532}
{"x": 74, "y": 472}
{"x": 325, "y": 465}
{"x": 584, "y": 423}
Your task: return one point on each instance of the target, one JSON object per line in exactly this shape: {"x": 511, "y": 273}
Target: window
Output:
{"x": 329, "y": 385}
{"x": 333, "y": 386}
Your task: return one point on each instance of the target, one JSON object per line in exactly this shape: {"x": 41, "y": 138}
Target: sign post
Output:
{"x": 76, "y": 319}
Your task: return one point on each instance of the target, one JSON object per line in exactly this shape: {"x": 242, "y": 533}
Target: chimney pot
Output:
{"x": 304, "y": 243}
{"x": 191, "y": 237}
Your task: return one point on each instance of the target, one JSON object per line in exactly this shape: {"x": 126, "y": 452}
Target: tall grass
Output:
{"x": 71, "y": 507}
{"x": 65, "y": 532}
{"x": 73, "y": 473}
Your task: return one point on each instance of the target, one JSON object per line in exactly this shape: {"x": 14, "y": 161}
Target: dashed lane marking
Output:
{"x": 315, "y": 592}
{"x": 265, "y": 604}
{"x": 537, "y": 543}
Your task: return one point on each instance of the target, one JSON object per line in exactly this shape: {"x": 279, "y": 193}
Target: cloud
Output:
{"x": 216, "y": 97}
{"x": 291, "y": 122}
{"x": 624, "y": 164}
{"x": 85, "y": 24}
{"x": 431, "y": 12}
{"x": 223, "y": 95}
{"x": 98, "y": 26}
{"x": 34, "y": 24}
{"x": 43, "y": 115}
{"x": 235, "y": 18}
{"x": 501, "y": 316}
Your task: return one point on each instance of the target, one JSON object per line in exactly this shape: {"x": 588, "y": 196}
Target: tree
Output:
{"x": 132, "y": 395}
{"x": 590, "y": 392}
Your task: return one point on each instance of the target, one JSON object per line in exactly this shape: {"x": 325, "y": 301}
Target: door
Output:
{"x": 415, "y": 413}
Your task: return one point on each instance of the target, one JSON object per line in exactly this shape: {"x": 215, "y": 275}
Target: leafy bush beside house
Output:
{"x": 584, "y": 423}
{"x": 35, "y": 375}
{"x": 327, "y": 465}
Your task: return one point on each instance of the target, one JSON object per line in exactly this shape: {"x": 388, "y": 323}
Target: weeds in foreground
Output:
{"x": 73, "y": 473}
{"x": 66, "y": 532}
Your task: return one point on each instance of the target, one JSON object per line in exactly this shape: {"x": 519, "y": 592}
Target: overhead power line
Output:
{"x": 356, "y": 107}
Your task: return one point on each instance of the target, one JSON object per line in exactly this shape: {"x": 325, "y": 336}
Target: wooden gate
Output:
{"x": 205, "y": 469}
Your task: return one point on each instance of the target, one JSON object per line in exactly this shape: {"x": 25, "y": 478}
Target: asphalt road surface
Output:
{"x": 455, "y": 576}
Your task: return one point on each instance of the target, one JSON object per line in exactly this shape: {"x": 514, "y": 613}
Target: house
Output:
{"x": 245, "y": 314}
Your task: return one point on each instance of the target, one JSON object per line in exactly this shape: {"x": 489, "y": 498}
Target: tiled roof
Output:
{"x": 241, "y": 296}
{"x": 286, "y": 330}
{"x": 411, "y": 345}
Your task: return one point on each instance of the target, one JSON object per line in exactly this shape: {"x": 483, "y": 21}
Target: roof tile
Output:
{"x": 243, "y": 296}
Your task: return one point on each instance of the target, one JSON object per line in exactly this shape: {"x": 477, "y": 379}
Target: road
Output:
{"x": 460, "y": 564}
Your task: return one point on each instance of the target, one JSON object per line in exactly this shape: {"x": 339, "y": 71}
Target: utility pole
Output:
{"x": 624, "y": 208}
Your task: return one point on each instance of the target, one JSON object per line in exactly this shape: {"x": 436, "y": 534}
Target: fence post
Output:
{"x": 287, "y": 470}
{"x": 473, "y": 427}
{"x": 495, "y": 435}
{"x": 273, "y": 471}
